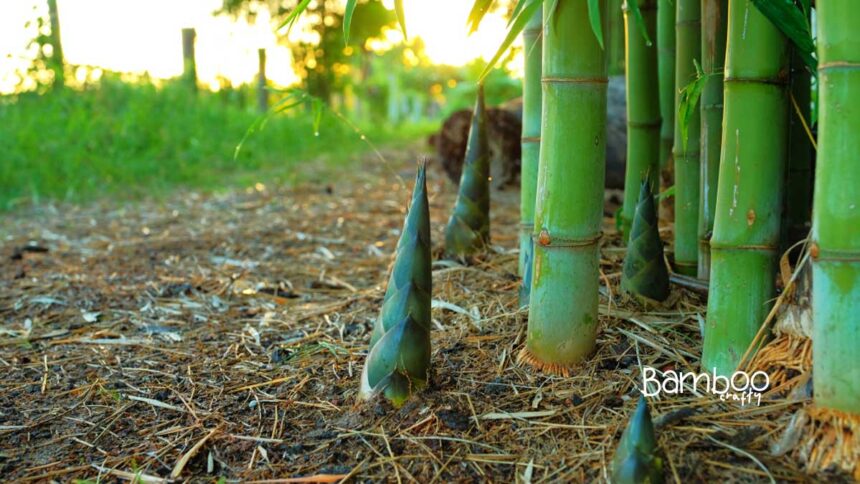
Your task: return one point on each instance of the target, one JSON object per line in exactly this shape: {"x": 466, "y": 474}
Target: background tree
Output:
{"x": 321, "y": 58}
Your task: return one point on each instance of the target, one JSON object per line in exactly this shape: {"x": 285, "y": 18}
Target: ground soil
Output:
{"x": 223, "y": 335}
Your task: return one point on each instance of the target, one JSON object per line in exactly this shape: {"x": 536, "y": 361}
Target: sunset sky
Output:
{"x": 138, "y": 36}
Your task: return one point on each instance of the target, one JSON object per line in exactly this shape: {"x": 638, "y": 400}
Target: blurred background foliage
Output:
{"x": 89, "y": 132}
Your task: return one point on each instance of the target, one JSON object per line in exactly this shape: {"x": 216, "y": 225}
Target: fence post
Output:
{"x": 262, "y": 92}
{"x": 57, "y": 63}
{"x": 189, "y": 69}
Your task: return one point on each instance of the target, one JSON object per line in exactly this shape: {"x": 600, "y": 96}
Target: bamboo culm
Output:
{"x": 562, "y": 324}
{"x": 688, "y": 47}
{"x": 666, "y": 76}
{"x": 643, "y": 109}
{"x": 617, "y": 65}
{"x": 836, "y": 211}
{"x": 530, "y": 150}
{"x": 749, "y": 196}
{"x": 714, "y": 25}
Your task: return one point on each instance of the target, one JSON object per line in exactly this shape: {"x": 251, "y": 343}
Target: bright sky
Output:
{"x": 145, "y": 35}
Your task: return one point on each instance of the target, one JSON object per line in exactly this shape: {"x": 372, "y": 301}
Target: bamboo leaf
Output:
{"x": 293, "y": 97}
{"x": 633, "y": 6}
{"x": 317, "y": 109}
{"x": 401, "y": 15}
{"x": 665, "y": 194}
{"x": 347, "y": 19}
{"x": 594, "y": 18}
{"x": 294, "y": 15}
{"x": 517, "y": 9}
{"x": 479, "y": 9}
{"x": 517, "y": 26}
{"x": 791, "y": 21}
{"x": 689, "y": 101}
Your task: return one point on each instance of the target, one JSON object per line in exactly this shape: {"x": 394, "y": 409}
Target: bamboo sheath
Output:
{"x": 686, "y": 152}
{"x": 643, "y": 109}
{"x": 569, "y": 204}
{"x": 714, "y": 25}
{"x": 836, "y": 215}
{"x": 468, "y": 229}
{"x": 530, "y": 150}
{"x": 749, "y": 196}
{"x": 399, "y": 358}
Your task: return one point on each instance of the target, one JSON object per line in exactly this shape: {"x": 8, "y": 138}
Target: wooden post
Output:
{"x": 262, "y": 93}
{"x": 189, "y": 70}
{"x": 56, "y": 63}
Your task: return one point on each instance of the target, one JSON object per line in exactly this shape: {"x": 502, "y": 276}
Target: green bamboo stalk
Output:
{"x": 616, "y": 38}
{"x": 468, "y": 229}
{"x": 399, "y": 358}
{"x": 637, "y": 458}
{"x": 749, "y": 196}
{"x": 530, "y": 150}
{"x": 714, "y": 32}
{"x": 644, "y": 272}
{"x": 643, "y": 109}
{"x": 569, "y": 205}
{"x": 688, "y": 49}
{"x": 666, "y": 77}
{"x": 799, "y": 174}
{"x": 836, "y": 211}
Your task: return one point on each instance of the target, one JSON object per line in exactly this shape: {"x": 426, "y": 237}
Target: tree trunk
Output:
{"x": 836, "y": 212}
{"x": 569, "y": 205}
{"x": 749, "y": 197}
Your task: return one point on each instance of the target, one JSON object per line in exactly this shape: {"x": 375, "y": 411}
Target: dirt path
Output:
{"x": 213, "y": 336}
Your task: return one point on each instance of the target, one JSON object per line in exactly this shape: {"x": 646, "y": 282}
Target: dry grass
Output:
{"x": 224, "y": 336}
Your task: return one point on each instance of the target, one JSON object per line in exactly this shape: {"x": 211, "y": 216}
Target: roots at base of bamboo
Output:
{"x": 526, "y": 357}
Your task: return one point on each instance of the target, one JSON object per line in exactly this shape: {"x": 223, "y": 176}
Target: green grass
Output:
{"x": 127, "y": 141}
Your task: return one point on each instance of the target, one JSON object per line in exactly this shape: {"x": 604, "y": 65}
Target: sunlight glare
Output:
{"x": 441, "y": 24}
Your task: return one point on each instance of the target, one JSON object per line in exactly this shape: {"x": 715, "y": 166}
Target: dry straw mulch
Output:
{"x": 223, "y": 335}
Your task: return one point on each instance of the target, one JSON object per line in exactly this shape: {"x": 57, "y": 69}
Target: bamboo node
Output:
{"x": 575, "y": 80}
{"x": 819, "y": 254}
{"x": 544, "y": 239}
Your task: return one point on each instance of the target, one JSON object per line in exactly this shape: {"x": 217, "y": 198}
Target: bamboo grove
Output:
{"x": 719, "y": 96}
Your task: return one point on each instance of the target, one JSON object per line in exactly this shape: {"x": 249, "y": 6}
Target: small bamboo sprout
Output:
{"x": 468, "y": 229}
{"x": 637, "y": 458}
{"x": 399, "y": 359}
{"x": 644, "y": 271}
